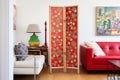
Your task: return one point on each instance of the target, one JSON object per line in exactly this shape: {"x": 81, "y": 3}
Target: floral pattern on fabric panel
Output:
{"x": 56, "y": 36}
{"x": 71, "y": 37}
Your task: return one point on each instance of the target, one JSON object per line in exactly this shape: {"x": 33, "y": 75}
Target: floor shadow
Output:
{"x": 24, "y": 77}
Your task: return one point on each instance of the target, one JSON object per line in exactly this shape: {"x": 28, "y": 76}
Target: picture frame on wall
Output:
{"x": 108, "y": 21}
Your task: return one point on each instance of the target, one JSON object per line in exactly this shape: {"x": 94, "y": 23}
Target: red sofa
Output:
{"x": 92, "y": 62}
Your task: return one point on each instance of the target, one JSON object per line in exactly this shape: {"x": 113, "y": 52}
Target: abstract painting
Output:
{"x": 108, "y": 20}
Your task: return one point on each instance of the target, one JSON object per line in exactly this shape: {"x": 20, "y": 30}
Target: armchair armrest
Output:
{"x": 30, "y": 62}
{"x": 86, "y": 55}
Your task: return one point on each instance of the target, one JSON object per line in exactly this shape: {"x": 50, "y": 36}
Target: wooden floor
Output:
{"x": 69, "y": 75}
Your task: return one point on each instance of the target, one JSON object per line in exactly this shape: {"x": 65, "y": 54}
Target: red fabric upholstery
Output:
{"x": 91, "y": 62}
{"x": 110, "y": 48}
{"x": 103, "y": 60}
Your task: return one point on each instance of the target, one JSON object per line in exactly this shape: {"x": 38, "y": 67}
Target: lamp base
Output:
{"x": 34, "y": 44}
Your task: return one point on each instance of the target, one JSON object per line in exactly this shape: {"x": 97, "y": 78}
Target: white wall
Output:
{"x": 31, "y": 11}
{"x": 6, "y": 40}
{"x": 87, "y": 20}
{"x": 37, "y": 11}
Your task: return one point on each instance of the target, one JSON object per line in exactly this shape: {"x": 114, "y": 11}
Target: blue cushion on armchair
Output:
{"x": 21, "y": 51}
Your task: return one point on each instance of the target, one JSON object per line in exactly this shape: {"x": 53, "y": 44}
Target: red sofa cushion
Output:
{"x": 103, "y": 60}
{"x": 110, "y": 48}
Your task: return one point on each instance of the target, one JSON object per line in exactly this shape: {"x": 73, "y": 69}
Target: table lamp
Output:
{"x": 34, "y": 40}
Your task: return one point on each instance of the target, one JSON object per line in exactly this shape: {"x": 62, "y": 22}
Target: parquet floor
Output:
{"x": 69, "y": 75}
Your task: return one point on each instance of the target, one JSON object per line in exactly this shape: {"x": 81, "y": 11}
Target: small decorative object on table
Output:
{"x": 34, "y": 40}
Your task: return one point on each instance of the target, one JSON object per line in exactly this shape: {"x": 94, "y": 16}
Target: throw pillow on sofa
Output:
{"x": 97, "y": 50}
{"x": 21, "y": 51}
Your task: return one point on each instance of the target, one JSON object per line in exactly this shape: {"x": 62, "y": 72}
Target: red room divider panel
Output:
{"x": 64, "y": 38}
{"x": 72, "y": 37}
{"x": 56, "y": 37}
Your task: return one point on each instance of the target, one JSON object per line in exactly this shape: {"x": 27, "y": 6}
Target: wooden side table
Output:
{"x": 42, "y": 50}
{"x": 34, "y": 50}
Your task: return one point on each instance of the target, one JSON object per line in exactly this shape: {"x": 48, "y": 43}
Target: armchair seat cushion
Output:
{"x": 103, "y": 60}
{"x": 30, "y": 66}
{"x": 29, "y": 62}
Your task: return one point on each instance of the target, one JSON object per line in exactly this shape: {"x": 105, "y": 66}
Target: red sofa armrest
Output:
{"x": 86, "y": 55}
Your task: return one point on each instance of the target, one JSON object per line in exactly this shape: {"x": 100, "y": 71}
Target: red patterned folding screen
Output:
{"x": 56, "y": 36}
{"x": 64, "y": 37}
{"x": 71, "y": 37}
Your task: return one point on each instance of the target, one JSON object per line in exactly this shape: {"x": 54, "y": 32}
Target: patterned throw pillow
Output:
{"x": 21, "y": 51}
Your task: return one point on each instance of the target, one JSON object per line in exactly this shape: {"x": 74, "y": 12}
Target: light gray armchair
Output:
{"x": 27, "y": 64}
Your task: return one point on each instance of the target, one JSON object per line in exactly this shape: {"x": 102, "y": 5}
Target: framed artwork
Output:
{"x": 108, "y": 20}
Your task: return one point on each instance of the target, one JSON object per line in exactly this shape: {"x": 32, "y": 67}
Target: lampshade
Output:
{"x": 33, "y": 28}
{"x": 34, "y": 40}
